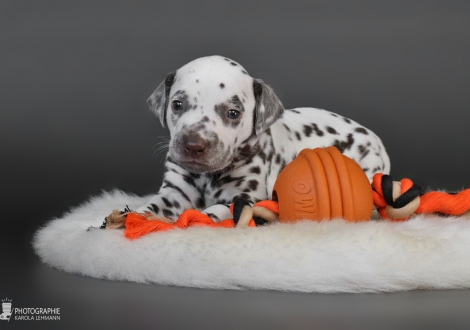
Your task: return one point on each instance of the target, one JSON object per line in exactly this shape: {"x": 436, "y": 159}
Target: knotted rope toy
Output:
{"x": 138, "y": 224}
{"x": 399, "y": 200}
{"x": 320, "y": 184}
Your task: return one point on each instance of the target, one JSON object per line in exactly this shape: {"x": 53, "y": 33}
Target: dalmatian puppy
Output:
{"x": 231, "y": 136}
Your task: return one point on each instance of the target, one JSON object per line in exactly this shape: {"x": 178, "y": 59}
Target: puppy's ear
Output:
{"x": 268, "y": 107}
{"x": 158, "y": 101}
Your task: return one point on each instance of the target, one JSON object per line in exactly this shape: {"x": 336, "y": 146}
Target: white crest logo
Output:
{"x": 6, "y": 309}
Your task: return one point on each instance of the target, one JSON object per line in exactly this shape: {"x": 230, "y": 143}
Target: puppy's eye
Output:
{"x": 177, "y": 105}
{"x": 233, "y": 114}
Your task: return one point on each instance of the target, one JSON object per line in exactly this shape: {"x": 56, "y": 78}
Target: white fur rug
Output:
{"x": 332, "y": 256}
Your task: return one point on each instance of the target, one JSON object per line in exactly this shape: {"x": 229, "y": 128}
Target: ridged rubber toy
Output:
{"x": 322, "y": 184}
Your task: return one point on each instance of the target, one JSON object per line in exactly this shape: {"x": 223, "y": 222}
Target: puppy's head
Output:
{"x": 211, "y": 107}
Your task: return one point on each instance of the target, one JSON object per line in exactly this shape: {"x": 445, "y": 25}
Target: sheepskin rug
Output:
{"x": 427, "y": 252}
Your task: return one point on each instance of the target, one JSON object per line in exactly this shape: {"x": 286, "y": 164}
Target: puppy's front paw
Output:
{"x": 116, "y": 220}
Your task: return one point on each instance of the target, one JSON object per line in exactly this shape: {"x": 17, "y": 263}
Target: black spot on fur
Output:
{"x": 334, "y": 114}
{"x": 253, "y": 184}
{"x": 168, "y": 184}
{"x": 262, "y": 155}
{"x": 376, "y": 169}
{"x": 213, "y": 216}
{"x": 277, "y": 160}
{"x": 365, "y": 169}
{"x": 255, "y": 170}
{"x": 218, "y": 193}
{"x": 295, "y": 111}
{"x": 361, "y": 130}
{"x": 218, "y": 181}
{"x": 189, "y": 179}
{"x": 222, "y": 85}
{"x": 245, "y": 150}
{"x": 270, "y": 156}
{"x": 176, "y": 204}
{"x": 246, "y": 197}
{"x": 283, "y": 164}
{"x": 202, "y": 188}
{"x": 222, "y": 201}
{"x": 168, "y": 213}
{"x": 197, "y": 81}
{"x": 286, "y": 127}
{"x": 347, "y": 120}
{"x": 331, "y": 130}
{"x": 244, "y": 72}
{"x": 233, "y": 63}
{"x": 363, "y": 151}
{"x": 307, "y": 130}
{"x": 200, "y": 203}
{"x": 167, "y": 202}
{"x": 155, "y": 208}
{"x": 239, "y": 183}
{"x": 297, "y": 135}
{"x": 205, "y": 119}
{"x": 343, "y": 145}
{"x": 317, "y": 130}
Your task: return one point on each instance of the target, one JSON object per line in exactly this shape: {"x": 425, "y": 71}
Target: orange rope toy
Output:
{"x": 320, "y": 184}
{"x": 399, "y": 200}
{"x": 138, "y": 224}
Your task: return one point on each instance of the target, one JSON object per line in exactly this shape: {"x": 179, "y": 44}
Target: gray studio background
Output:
{"x": 75, "y": 77}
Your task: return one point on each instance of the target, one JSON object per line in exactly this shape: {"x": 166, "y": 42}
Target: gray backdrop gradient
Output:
{"x": 74, "y": 79}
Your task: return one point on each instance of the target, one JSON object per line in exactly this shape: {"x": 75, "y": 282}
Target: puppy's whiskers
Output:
{"x": 162, "y": 148}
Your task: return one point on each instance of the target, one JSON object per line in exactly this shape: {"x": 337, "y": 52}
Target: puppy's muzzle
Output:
{"x": 194, "y": 145}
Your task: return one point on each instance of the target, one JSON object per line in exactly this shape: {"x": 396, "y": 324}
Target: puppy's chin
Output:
{"x": 202, "y": 165}
{"x": 199, "y": 167}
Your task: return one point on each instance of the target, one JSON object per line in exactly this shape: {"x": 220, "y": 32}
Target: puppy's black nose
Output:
{"x": 194, "y": 145}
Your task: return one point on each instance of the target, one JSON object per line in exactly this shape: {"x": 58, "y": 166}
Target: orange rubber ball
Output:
{"x": 323, "y": 184}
